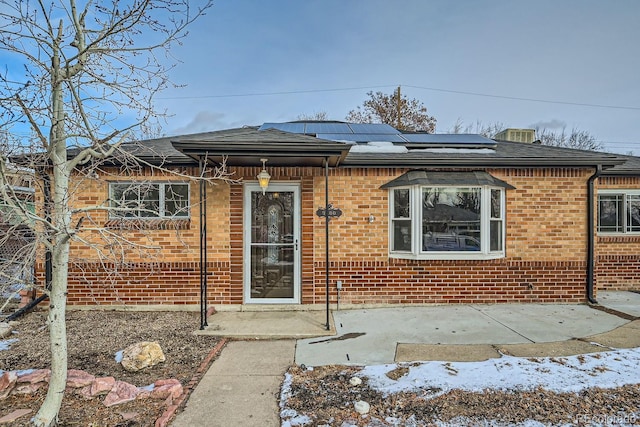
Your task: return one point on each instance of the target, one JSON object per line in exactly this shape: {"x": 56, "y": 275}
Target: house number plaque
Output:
{"x": 329, "y": 212}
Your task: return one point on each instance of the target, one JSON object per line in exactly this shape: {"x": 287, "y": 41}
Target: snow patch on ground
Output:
{"x": 290, "y": 418}
{"x": 558, "y": 374}
{"x": 6, "y": 344}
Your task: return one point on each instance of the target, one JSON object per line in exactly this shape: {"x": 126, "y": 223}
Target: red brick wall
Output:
{"x": 546, "y": 247}
{"x": 421, "y": 282}
{"x": 618, "y": 257}
{"x": 545, "y": 244}
{"x": 161, "y": 283}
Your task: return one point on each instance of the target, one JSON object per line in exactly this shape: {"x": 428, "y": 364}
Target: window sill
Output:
{"x": 448, "y": 256}
{"x": 148, "y": 224}
{"x": 619, "y": 238}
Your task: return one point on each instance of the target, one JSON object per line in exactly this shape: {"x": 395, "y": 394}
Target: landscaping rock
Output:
{"x": 7, "y": 382}
{"x": 362, "y": 407}
{"x": 12, "y": 416}
{"x": 355, "y": 381}
{"x": 167, "y": 389}
{"x": 78, "y": 379}
{"x": 27, "y": 388}
{"x": 122, "y": 392}
{"x": 142, "y": 355}
{"x": 102, "y": 385}
{"x": 5, "y": 330}
{"x": 39, "y": 375}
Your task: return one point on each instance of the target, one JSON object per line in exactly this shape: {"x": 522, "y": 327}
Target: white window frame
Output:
{"x": 415, "y": 193}
{"x": 625, "y": 199}
{"x": 162, "y": 186}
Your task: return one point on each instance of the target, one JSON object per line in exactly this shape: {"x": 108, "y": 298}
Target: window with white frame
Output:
{"x": 439, "y": 221}
{"x": 149, "y": 200}
{"x": 619, "y": 211}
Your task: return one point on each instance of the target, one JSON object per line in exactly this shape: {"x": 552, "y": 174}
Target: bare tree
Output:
{"x": 80, "y": 75}
{"x": 317, "y": 116}
{"x": 479, "y": 128}
{"x": 578, "y": 139}
{"x": 395, "y": 110}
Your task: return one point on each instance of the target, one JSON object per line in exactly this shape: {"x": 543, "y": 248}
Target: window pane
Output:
{"x": 150, "y": 200}
{"x": 495, "y": 236}
{"x": 401, "y": 204}
{"x": 451, "y": 219}
{"x": 176, "y": 200}
{"x": 125, "y": 198}
{"x": 610, "y": 213}
{"x": 401, "y": 235}
{"x": 496, "y": 212}
{"x": 633, "y": 213}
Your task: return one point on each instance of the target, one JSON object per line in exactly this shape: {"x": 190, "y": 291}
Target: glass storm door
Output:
{"x": 271, "y": 236}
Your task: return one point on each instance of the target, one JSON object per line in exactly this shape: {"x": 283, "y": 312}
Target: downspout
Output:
{"x": 26, "y": 308}
{"x": 591, "y": 234}
{"x": 203, "y": 245}
{"x": 326, "y": 231}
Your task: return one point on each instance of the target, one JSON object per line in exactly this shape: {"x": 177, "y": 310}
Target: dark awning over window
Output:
{"x": 436, "y": 179}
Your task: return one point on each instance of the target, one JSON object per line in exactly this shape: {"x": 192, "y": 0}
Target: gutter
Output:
{"x": 591, "y": 234}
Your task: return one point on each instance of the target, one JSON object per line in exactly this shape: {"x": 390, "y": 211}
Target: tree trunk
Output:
{"x": 48, "y": 413}
{"x": 61, "y": 219}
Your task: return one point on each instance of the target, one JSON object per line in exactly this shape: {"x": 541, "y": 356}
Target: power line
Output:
{"x": 290, "y": 92}
{"x": 459, "y": 92}
{"x": 515, "y": 98}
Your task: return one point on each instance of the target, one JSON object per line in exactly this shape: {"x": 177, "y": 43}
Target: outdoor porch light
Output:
{"x": 264, "y": 177}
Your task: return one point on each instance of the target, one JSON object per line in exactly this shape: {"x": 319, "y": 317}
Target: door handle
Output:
{"x": 296, "y": 244}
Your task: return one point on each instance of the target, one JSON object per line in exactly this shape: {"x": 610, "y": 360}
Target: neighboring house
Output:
{"x": 425, "y": 219}
{"x": 16, "y": 240}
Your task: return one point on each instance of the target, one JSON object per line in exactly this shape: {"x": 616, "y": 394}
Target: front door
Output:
{"x": 271, "y": 244}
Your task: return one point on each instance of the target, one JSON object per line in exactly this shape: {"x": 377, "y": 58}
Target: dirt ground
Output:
{"x": 322, "y": 394}
{"x": 94, "y": 337}
{"x": 325, "y": 397}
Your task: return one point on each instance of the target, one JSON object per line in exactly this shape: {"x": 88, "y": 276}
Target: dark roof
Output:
{"x": 631, "y": 167}
{"x": 246, "y": 145}
{"x": 422, "y": 177}
{"x": 505, "y": 154}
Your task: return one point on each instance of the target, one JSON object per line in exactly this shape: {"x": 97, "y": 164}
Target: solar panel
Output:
{"x": 362, "y": 137}
{"x": 375, "y": 128}
{"x": 285, "y": 127}
{"x": 327, "y": 128}
{"x": 367, "y": 132}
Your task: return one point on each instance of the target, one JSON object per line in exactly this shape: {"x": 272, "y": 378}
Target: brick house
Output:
{"x": 425, "y": 219}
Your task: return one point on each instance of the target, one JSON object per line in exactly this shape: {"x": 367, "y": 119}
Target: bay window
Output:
{"x": 431, "y": 220}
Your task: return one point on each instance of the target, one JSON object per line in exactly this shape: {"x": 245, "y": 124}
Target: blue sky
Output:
{"x": 574, "y": 51}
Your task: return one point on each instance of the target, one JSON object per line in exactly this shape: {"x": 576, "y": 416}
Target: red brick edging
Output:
{"x": 171, "y": 410}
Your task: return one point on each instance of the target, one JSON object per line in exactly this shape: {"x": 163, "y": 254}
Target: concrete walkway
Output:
{"x": 241, "y": 388}
{"x": 371, "y": 337}
{"x": 625, "y": 302}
